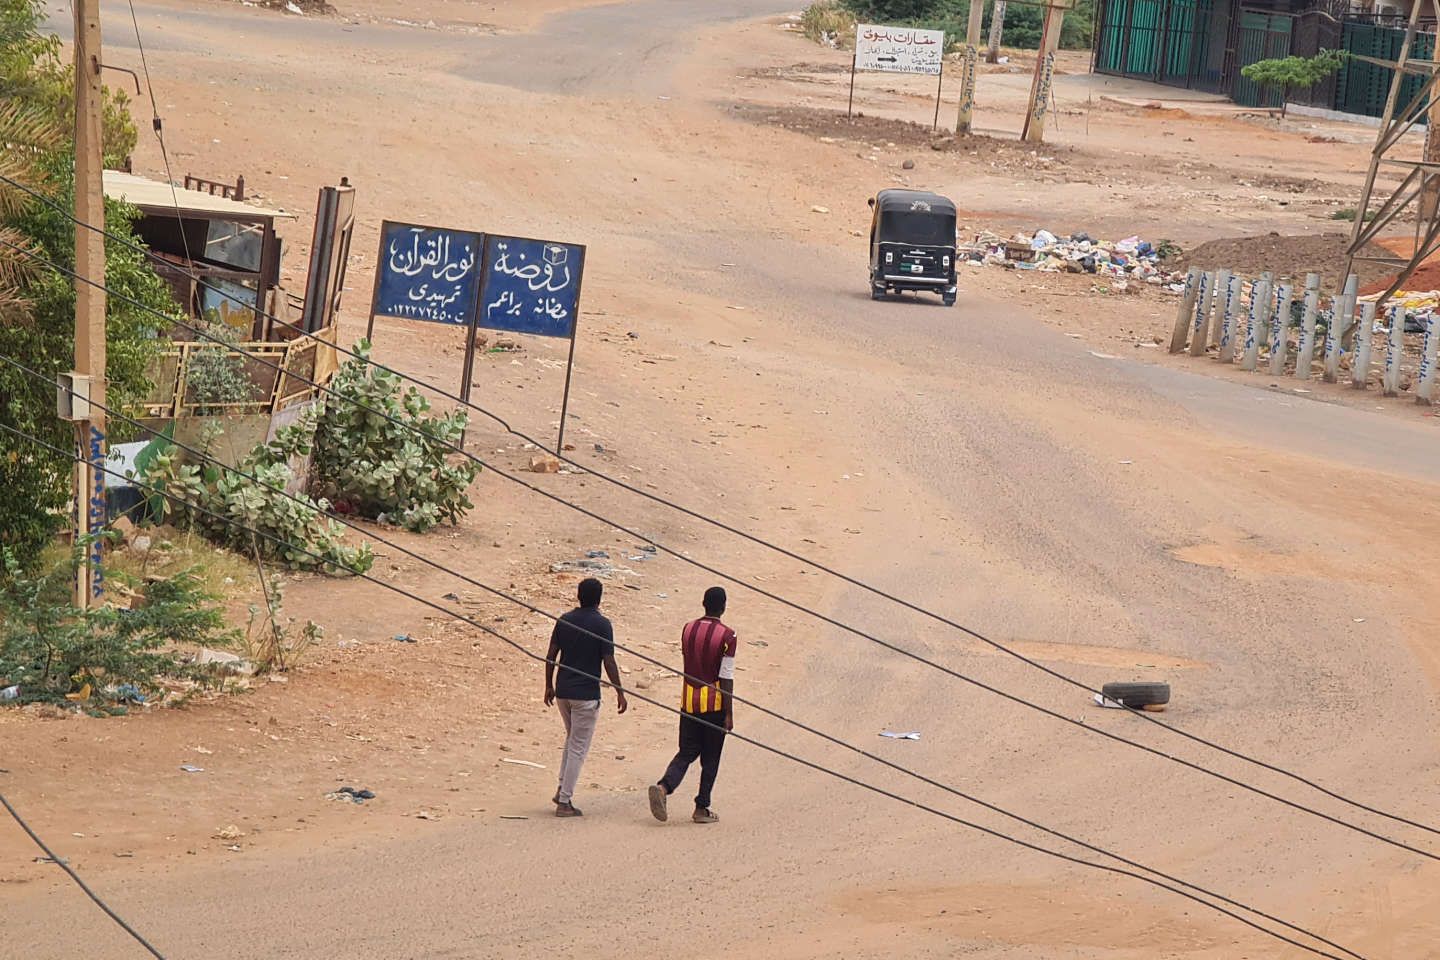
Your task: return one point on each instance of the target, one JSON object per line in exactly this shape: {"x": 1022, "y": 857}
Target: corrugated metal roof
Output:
{"x": 156, "y": 197}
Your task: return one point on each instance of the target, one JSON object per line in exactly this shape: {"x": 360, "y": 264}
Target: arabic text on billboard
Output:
{"x": 531, "y": 286}
{"x": 427, "y": 273}
{"x": 898, "y": 49}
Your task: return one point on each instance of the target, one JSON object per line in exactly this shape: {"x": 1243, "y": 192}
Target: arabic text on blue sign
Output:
{"x": 426, "y": 273}
{"x": 531, "y": 286}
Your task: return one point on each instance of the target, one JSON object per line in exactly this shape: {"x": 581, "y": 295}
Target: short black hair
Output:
{"x": 590, "y": 591}
{"x": 715, "y": 601}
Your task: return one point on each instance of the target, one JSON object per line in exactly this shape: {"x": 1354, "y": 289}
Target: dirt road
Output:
{"x": 1270, "y": 554}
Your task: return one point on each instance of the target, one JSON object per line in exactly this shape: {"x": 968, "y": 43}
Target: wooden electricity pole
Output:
{"x": 89, "y": 295}
{"x": 966, "y": 115}
{"x": 1040, "y": 85}
{"x": 997, "y": 27}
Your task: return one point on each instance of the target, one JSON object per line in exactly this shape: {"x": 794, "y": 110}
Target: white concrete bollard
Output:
{"x": 1364, "y": 346}
{"x": 1184, "y": 314}
{"x": 1306, "y": 354}
{"x": 1429, "y": 355}
{"x": 1229, "y": 331}
{"x": 1394, "y": 350}
{"x": 1257, "y": 318}
{"x": 1218, "y": 293}
{"x": 1279, "y": 329}
{"x": 1341, "y": 313}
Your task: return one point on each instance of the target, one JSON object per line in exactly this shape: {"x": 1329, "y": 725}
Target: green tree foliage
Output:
{"x": 49, "y": 647}
{"x": 893, "y": 11}
{"x": 829, "y": 22}
{"x": 1023, "y": 22}
{"x": 1293, "y": 73}
{"x": 35, "y": 72}
{"x": 225, "y": 506}
{"x": 398, "y": 470}
{"x": 37, "y": 304}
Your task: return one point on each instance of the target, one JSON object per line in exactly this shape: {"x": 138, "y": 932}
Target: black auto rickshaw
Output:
{"x": 912, "y": 244}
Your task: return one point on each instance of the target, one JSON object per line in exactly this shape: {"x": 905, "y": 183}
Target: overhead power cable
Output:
{"x": 63, "y": 865}
{"x": 526, "y": 605}
{"x": 777, "y": 751}
{"x": 681, "y": 555}
{"x": 753, "y": 538}
{"x": 159, "y": 127}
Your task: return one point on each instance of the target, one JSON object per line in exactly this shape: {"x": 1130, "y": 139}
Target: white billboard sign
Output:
{"x": 898, "y": 49}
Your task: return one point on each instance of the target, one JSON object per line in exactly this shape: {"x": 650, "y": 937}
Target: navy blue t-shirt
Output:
{"x": 581, "y": 651}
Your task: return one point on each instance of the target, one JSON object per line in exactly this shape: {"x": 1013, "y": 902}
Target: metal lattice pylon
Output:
{"x": 1420, "y": 187}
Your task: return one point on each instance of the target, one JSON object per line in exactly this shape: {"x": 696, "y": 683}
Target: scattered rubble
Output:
{"x": 350, "y": 795}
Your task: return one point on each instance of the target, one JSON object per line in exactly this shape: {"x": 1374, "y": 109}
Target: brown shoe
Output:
{"x": 704, "y": 815}
{"x": 567, "y": 810}
{"x": 556, "y": 799}
{"x": 657, "y": 802}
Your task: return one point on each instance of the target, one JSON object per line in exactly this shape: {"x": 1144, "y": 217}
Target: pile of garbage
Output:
{"x": 1131, "y": 259}
{"x": 1420, "y": 306}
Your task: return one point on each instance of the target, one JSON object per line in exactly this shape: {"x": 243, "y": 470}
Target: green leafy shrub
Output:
{"x": 289, "y": 531}
{"x": 1023, "y": 22}
{"x": 271, "y": 640}
{"x": 49, "y": 647}
{"x": 215, "y": 377}
{"x": 829, "y": 22}
{"x": 398, "y": 471}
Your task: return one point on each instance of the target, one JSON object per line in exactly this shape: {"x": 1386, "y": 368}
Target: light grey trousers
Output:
{"x": 579, "y": 717}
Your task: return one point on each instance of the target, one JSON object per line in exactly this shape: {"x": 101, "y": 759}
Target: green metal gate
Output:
{"x": 1173, "y": 42}
{"x": 1263, "y": 36}
{"x": 1364, "y": 87}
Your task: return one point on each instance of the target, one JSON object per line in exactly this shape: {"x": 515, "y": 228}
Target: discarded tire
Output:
{"x": 1137, "y": 694}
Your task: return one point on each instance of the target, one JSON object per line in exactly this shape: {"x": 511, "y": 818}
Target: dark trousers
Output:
{"x": 697, "y": 740}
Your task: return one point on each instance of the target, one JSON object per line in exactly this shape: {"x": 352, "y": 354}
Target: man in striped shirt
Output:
{"x": 707, "y": 707}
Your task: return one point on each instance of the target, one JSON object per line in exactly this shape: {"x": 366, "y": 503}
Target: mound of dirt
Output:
{"x": 1287, "y": 257}
{"x": 1051, "y": 163}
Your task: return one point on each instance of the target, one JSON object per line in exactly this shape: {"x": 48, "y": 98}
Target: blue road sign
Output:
{"x": 530, "y": 286}
{"x": 427, "y": 273}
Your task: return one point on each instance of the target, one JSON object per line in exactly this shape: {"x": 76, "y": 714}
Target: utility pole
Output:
{"x": 1034, "y": 131}
{"x": 966, "y": 115}
{"x": 89, "y": 417}
{"x": 997, "y": 27}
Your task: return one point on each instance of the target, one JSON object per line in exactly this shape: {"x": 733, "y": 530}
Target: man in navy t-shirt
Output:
{"x": 581, "y": 641}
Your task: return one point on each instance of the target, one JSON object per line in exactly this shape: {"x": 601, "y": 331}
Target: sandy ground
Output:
{"x": 1022, "y": 462}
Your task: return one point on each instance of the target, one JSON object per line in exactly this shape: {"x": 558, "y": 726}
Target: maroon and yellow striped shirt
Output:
{"x": 705, "y": 642}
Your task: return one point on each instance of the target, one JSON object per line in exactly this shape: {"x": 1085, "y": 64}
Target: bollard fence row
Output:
{"x": 1238, "y": 319}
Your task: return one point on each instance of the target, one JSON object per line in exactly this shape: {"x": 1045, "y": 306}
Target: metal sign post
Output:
{"x": 850, "y": 107}
{"x": 533, "y": 286}
{"x": 939, "y": 85}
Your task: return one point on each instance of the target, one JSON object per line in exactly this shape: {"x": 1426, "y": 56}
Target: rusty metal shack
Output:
{"x": 221, "y": 258}
{"x": 228, "y": 245}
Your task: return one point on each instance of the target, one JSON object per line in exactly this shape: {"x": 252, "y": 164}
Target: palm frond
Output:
{"x": 15, "y": 266}
{"x": 26, "y": 138}
{"x": 24, "y": 126}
